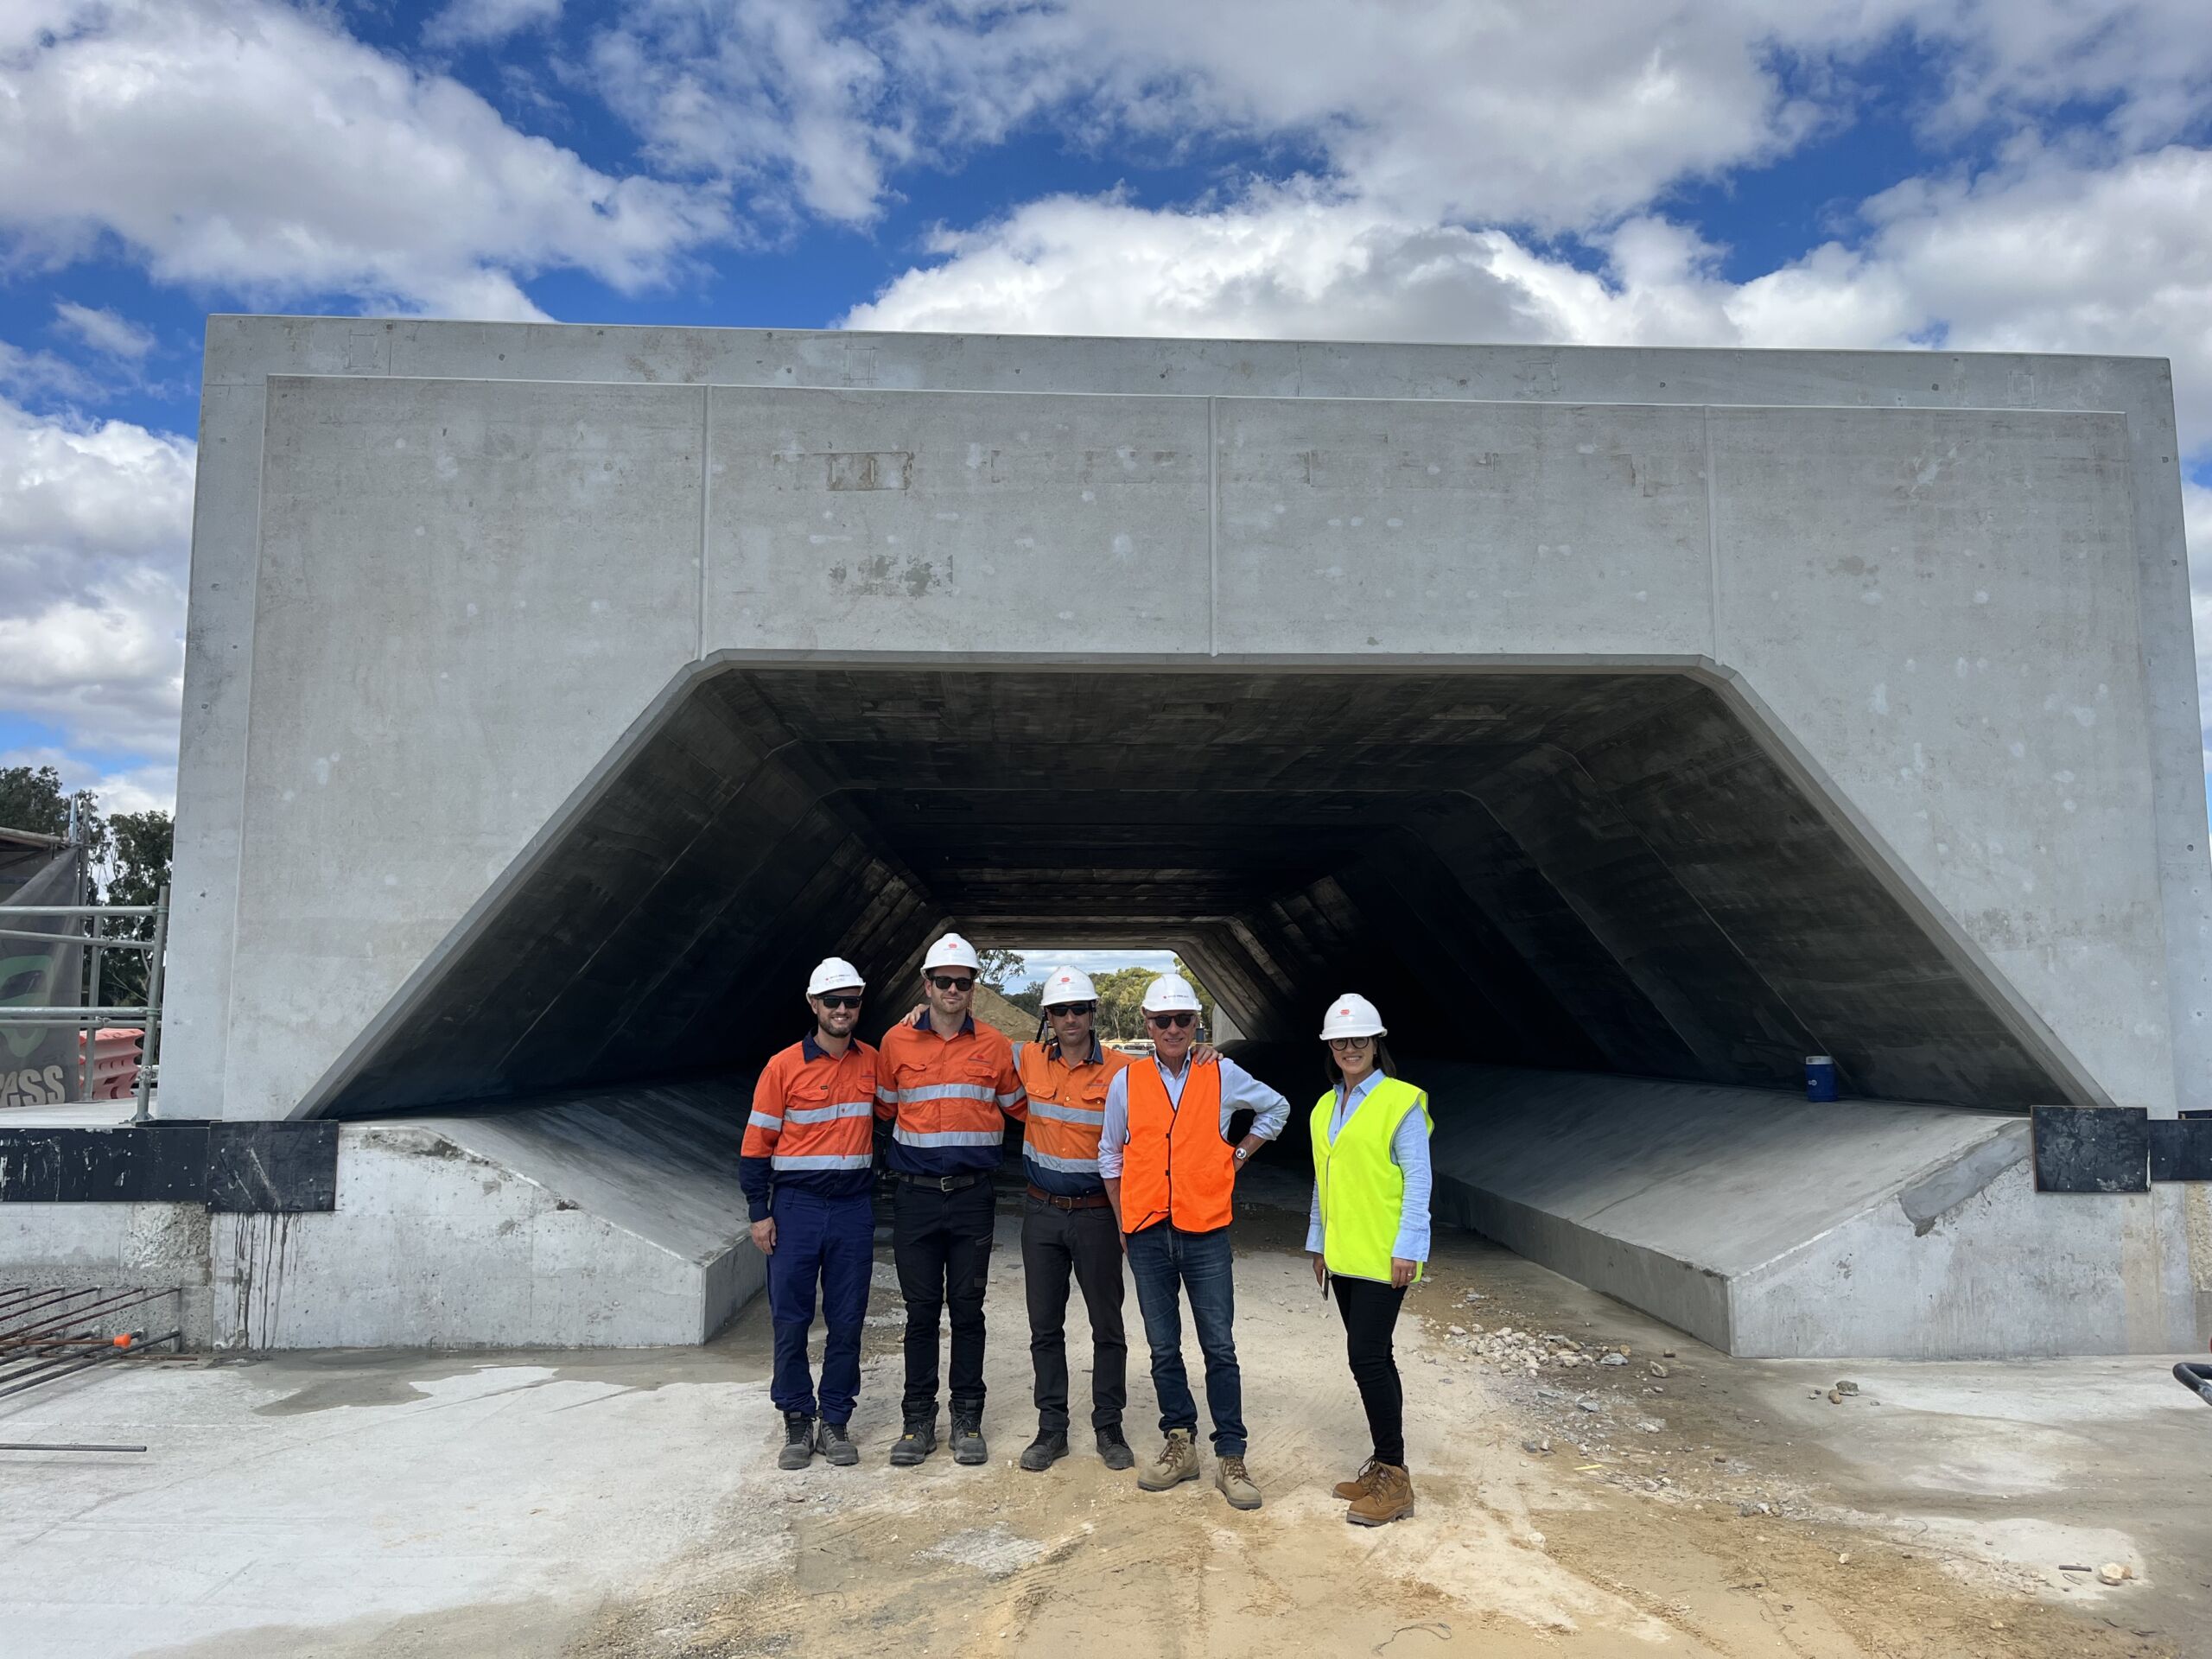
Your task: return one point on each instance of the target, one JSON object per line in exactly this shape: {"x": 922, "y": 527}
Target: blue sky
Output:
{"x": 2032, "y": 175}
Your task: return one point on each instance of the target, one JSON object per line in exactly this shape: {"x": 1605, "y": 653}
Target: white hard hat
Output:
{"x": 833, "y": 973}
{"x": 952, "y": 951}
{"x": 1352, "y": 1015}
{"x": 1170, "y": 993}
{"x": 1066, "y": 985}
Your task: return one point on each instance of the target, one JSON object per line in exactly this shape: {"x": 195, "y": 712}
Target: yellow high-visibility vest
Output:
{"x": 1363, "y": 1193}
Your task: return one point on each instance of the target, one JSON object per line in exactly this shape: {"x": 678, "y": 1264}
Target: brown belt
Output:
{"x": 1096, "y": 1201}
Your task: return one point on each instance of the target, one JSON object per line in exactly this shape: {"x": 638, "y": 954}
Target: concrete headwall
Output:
{"x": 439, "y": 570}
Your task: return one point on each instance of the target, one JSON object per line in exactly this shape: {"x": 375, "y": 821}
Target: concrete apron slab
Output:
{"x": 611, "y": 1221}
{"x": 1771, "y": 1227}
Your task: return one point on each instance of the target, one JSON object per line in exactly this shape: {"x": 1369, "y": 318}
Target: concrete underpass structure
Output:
{"x": 1630, "y": 724}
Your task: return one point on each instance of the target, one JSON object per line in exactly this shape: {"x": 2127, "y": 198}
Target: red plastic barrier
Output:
{"x": 117, "y": 1052}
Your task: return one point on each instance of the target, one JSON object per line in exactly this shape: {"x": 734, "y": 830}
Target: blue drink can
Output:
{"x": 1820, "y": 1077}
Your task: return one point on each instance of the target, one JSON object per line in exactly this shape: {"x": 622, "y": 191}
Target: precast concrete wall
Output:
{"x": 461, "y": 592}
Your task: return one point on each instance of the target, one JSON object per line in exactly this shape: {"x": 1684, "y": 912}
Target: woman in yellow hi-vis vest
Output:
{"x": 1368, "y": 1234}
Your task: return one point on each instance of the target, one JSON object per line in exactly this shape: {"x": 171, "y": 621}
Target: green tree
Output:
{"x": 1000, "y": 966}
{"x": 1120, "y": 990}
{"x": 143, "y": 843}
{"x": 34, "y": 799}
{"x": 129, "y": 863}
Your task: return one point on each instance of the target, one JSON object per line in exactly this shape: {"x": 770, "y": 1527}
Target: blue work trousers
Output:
{"x": 830, "y": 1241}
{"x": 1167, "y": 1263}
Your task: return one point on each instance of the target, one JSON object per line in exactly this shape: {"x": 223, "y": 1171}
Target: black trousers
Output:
{"x": 941, "y": 1244}
{"x": 1085, "y": 1243}
{"x": 1371, "y": 1311}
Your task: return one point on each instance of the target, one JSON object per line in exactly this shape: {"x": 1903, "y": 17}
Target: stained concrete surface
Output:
{"x": 625, "y": 1504}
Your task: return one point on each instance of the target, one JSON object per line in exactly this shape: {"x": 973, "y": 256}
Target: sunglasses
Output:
{"x": 1342, "y": 1043}
{"x": 839, "y": 1001}
{"x": 950, "y": 982}
{"x": 1059, "y": 1010}
{"x": 1164, "y": 1020}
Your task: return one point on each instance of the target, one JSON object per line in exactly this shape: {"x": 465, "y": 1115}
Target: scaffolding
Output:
{"x": 90, "y": 1018}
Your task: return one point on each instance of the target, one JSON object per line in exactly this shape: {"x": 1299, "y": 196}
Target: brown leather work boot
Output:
{"x": 1392, "y": 1499}
{"x": 1361, "y": 1484}
{"x": 1177, "y": 1462}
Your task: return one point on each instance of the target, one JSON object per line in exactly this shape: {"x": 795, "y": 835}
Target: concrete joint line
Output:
{"x": 705, "y": 501}
{"x": 1213, "y": 532}
{"x": 1712, "y": 537}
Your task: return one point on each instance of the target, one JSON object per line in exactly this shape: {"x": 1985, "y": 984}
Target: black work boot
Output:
{"x": 1048, "y": 1449}
{"x": 833, "y": 1443}
{"x": 968, "y": 1437}
{"x": 1114, "y": 1451}
{"x": 798, "y": 1441}
{"x": 916, "y": 1442}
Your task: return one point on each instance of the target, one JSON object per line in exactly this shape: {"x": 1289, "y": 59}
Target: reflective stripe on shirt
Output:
{"x": 908, "y": 1137}
{"x": 764, "y": 1122}
{"x": 1053, "y": 1110}
{"x": 823, "y": 1160}
{"x": 949, "y": 1091}
{"x": 1067, "y": 1166}
{"x": 830, "y": 1114}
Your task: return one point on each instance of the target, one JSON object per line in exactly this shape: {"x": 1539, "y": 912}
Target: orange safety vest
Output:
{"x": 1067, "y": 1108}
{"x": 1176, "y": 1169}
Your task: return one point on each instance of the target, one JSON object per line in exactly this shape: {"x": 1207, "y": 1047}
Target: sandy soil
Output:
{"x": 1642, "y": 1530}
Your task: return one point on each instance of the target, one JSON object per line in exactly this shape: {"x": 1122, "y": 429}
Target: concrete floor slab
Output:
{"x": 624, "y": 1503}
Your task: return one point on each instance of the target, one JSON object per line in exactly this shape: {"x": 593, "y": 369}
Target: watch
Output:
{"x": 1240, "y": 1154}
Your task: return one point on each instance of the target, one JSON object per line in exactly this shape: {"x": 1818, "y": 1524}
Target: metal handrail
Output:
{"x": 95, "y": 944}
{"x": 90, "y": 1019}
{"x": 84, "y": 910}
{"x": 70, "y": 1016}
{"x": 2196, "y": 1378}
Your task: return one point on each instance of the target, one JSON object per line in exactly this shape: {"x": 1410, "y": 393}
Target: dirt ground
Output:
{"x": 1704, "y": 1513}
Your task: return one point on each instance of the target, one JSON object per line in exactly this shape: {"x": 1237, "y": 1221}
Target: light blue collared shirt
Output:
{"x": 1409, "y": 1152}
{"x": 1239, "y": 1088}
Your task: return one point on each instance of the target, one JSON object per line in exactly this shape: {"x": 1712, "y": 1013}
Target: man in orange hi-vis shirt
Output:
{"x": 947, "y": 1086}
{"x": 805, "y": 1167}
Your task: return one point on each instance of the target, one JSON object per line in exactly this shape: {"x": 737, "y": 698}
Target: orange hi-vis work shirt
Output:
{"x": 813, "y": 1124}
{"x": 1176, "y": 1167}
{"x": 1067, "y": 1109}
{"x": 947, "y": 1098}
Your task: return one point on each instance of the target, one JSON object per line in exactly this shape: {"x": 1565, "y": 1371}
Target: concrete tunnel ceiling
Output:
{"x": 1593, "y": 871}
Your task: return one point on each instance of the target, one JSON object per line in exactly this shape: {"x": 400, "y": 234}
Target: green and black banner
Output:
{"x": 38, "y": 1064}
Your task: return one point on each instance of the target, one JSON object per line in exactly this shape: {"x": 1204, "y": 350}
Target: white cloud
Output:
{"x": 95, "y": 521}
{"x": 126, "y": 789}
{"x": 33, "y": 374}
{"x": 244, "y": 144}
{"x": 106, "y": 331}
{"x": 1521, "y": 112}
{"x": 2044, "y": 255}
{"x": 485, "y": 22}
{"x": 754, "y": 90}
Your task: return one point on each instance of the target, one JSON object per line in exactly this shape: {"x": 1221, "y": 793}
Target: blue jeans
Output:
{"x": 830, "y": 1241}
{"x": 1166, "y": 1262}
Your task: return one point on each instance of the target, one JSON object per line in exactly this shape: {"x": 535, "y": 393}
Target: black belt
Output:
{"x": 942, "y": 1183}
{"x": 1090, "y": 1201}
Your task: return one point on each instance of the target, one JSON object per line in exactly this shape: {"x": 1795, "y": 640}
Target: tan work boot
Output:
{"x": 1177, "y": 1462}
{"x": 1235, "y": 1485}
{"x": 1361, "y": 1484}
{"x": 1392, "y": 1498}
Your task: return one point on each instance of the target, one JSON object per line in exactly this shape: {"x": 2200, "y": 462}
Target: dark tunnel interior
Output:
{"x": 1600, "y": 871}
